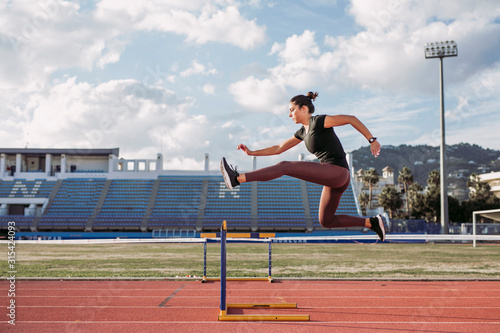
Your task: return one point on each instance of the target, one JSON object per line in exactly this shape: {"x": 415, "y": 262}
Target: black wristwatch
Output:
{"x": 372, "y": 140}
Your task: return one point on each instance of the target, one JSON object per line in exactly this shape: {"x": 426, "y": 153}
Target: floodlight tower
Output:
{"x": 441, "y": 50}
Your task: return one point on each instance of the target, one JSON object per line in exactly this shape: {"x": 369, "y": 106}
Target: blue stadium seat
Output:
{"x": 125, "y": 205}
{"x": 177, "y": 203}
{"x": 280, "y": 205}
{"x": 231, "y": 205}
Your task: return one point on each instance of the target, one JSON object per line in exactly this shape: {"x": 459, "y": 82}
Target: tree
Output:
{"x": 370, "y": 178}
{"x": 406, "y": 178}
{"x": 363, "y": 199}
{"x": 480, "y": 198}
{"x": 432, "y": 198}
{"x": 455, "y": 210}
{"x": 479, "y": 190}
{"x": 390, "y": 199}
{"x": 416, "y": 203}
{"x": 434, "y": 178}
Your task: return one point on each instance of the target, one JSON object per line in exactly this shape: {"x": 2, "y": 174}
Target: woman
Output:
{"x": 332, "y": 172}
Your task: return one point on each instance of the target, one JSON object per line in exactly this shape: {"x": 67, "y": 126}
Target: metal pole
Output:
{"x": 270, "y": 256}
{"x": 443, "y": 189}
{"x": 474, "y": 223}
{"x": 223, "y": 269}
{"x": 205, "y": 259}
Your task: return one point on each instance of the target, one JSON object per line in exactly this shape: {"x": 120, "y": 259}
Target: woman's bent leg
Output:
{"x": 330, "y": 200}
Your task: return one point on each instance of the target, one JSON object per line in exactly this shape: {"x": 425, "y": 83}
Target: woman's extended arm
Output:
{"x": 341, "y": 120}
{"x": 273, "y": 150}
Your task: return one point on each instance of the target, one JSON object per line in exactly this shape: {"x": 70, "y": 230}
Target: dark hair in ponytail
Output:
{"x": 301, "y": 100}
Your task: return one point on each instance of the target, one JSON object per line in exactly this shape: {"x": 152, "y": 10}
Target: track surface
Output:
{"x": 190, "y": 306}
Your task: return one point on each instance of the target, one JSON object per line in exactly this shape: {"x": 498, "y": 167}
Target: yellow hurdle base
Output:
{"x": 263, "y": 317}
{"x": 223, "y": 316}
{"x": 261, "y": 306}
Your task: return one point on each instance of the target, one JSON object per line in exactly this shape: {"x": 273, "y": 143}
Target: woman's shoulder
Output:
{"x": 318, "y": 119}
{"x": 319, "y": 116}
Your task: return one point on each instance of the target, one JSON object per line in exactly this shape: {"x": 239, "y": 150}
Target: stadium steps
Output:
{"x": 52, "y": 196}
{"x": 151, "y": 205}
{"x": 100, "y": 203}
{"x": 254, "y": 224}
{"x": 305, "y": 203}
{"x": 203, "y": 206}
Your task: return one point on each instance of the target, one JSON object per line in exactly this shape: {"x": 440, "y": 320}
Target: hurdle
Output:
{"x": 224, "y": 306}
{"x": 256, "y": 237}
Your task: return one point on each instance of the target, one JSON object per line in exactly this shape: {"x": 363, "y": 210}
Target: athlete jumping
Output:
{"x": 332, "y": 172}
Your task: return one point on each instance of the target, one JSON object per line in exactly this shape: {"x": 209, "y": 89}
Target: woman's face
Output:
{"x": 297, "y": 114}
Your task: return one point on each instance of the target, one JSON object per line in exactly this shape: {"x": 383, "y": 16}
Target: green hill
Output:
{"x": 462, "y": 160}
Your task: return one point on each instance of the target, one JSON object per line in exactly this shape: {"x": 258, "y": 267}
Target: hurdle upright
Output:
{"x": 224, "y": 316}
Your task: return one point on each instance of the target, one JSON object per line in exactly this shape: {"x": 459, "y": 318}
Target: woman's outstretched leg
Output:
{"x": 335, "y": 180}
{"x": 318, "y": 173}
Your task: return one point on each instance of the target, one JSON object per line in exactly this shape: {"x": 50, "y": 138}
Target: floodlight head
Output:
{"x": 441, "y": 49}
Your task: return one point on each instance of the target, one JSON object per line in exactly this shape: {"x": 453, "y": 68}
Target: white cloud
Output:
{"x": 477, "y": 96}
{"x": 471, "y": 112}
{"x": 258, "y": 95}
{"x": 302, "y": 66}
{"x": 386, "y": 56}
{"x": 388, "y": 53}
{"x": 199, "y": 21}
{"x": 112, "y": 53}
{"x": 40, "y": 38}
{"x": 198, "y": 69}
{"x": 208, "y": 89}
{"x": 297, "y": 48}
{"x": 115, "y": 113}
{"x": 228, "y": 124}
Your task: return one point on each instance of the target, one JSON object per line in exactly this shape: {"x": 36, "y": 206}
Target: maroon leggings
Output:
{"x": 335, "y": 180}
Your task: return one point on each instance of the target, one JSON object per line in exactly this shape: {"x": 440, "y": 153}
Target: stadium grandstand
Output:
{"x": 95, "y": 191}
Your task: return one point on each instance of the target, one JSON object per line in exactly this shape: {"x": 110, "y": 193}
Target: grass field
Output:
{"x": 425, "y": 261}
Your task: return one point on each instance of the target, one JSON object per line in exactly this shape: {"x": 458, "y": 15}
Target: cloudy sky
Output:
{"x": 186, "y": 78}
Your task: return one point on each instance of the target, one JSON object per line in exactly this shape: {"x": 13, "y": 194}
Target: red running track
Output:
{"x": 190, "y": 306}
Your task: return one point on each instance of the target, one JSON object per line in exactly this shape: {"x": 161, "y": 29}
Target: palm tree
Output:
{"x": 415, "y": 199}
{"x": 432, "y": 195}
{"x": 433, "y": 179}
{"x": 406, "y": 178}
{"x": 390, "y": 199}
{"x": 479, "y": 190}
{"x": 370, "y": 178}
{"x": 363, "y": 199}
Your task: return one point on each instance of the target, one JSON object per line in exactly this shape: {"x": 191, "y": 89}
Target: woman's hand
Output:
{"x": 375, "y": 148}
{"x": 245, "y": 149}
